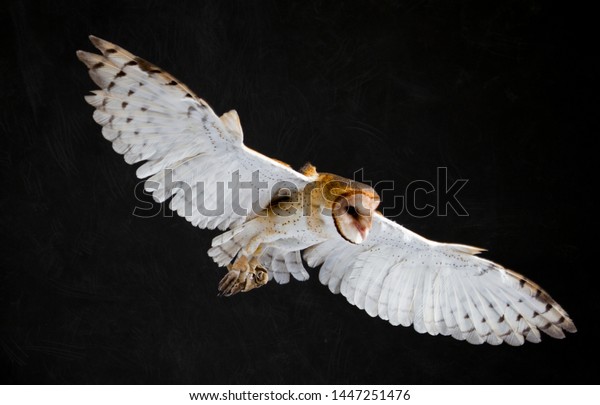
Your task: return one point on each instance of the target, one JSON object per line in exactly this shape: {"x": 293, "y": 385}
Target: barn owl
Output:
{"x": 273, "y": 216}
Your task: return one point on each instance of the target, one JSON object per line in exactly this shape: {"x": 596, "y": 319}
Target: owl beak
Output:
{"x": 364, "y": 232}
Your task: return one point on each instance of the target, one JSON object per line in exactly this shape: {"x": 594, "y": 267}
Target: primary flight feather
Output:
{"x": 273, "y": 213}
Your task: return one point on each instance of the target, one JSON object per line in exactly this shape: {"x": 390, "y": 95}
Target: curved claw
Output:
{"x": 230, "y": 284}
{"x": 261, "y": 276}
{"x": 236, "y": 281}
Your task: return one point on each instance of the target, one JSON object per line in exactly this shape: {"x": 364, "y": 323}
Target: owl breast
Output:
{"x": 297, "y": 222}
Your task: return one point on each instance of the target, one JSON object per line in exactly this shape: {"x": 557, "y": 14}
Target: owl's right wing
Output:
{"x": 189, "y": 152}
{"x": 440, "y": 288}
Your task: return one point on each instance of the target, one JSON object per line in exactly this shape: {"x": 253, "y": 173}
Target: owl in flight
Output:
{"x": 274, "y": 216}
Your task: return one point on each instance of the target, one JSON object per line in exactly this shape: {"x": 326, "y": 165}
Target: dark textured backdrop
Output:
{"x": 501, "y": 94}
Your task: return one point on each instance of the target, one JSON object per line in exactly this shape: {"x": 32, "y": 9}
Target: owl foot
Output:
{"x": 243, "y": 276}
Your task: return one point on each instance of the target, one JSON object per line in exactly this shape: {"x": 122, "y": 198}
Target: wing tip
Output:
{"x": 468, "y": 249}
{"x": 105, "y": 46}
{"x": 87, "y": 58}
{"x": 97, "y": 42}
{"x": 569, "y": 326}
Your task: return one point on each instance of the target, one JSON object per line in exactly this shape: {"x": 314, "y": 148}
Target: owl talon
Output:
{"x": 229, "y": 284}
{"x": 242, "y": 277}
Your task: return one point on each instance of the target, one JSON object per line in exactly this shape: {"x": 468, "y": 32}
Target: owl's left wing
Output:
{"x": 440, "y": 288}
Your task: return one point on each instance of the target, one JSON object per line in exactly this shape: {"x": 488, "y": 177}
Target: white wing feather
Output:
{"x": 439, "y": 288}
{"x": 190, "y": 152}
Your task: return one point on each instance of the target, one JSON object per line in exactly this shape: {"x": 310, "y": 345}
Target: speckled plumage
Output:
{"x": 378, "y": 265}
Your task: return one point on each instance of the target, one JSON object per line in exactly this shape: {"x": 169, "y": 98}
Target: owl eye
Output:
{"x": 352, "y": 211}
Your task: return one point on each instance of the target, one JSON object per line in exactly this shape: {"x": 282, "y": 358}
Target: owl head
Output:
{"x": 353, "y": 215}
{"x": 352, "y": 206}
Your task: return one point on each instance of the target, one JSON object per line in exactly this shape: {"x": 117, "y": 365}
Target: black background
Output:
{"x": 501, "y": 94}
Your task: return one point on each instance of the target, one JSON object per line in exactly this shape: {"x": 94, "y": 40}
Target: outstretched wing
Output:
{"x": 440, "y": 288}
{"x": 189, "y": 152}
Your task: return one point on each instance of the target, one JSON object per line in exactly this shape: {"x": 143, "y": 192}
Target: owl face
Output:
{"x": 352, "y": 205}
{"x": 353, "y": 215}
